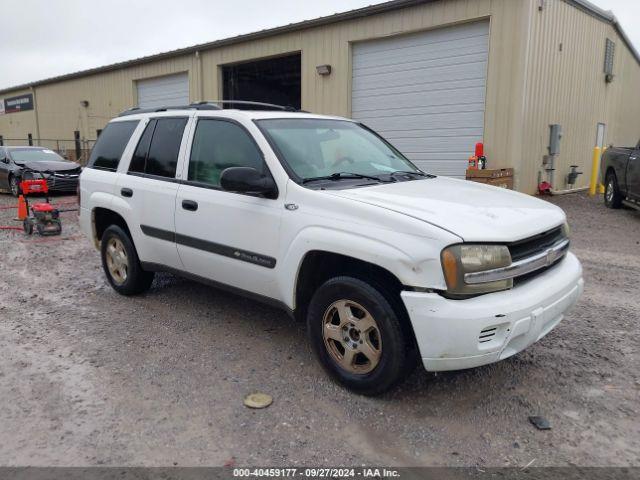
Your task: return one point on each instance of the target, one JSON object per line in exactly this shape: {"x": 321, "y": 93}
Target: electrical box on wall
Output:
{"x": 554, "y": 139}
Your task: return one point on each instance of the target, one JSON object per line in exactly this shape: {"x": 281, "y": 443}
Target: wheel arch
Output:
{"x": 318, "y": 266}
{"x": 102, "y": 218}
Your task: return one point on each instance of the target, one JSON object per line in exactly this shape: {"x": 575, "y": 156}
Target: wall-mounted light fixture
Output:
{"x": 84, "y": 103}
{"x": 323, "y": 70}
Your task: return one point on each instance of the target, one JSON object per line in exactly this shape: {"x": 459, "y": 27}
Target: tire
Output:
{"x": 14, "y": 186}
{"x": 373, "y": 360}
{"x": 121, "y": 264}
{"x": 27, "y": 226}
{"x": 612, "y": 196}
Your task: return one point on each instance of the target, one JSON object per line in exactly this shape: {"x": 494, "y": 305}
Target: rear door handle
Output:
{"x": 190, "y": 205}
{"x": 126, "y": 192}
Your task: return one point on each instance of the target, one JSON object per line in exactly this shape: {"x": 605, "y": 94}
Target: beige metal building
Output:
{"x": 433, "y": 76}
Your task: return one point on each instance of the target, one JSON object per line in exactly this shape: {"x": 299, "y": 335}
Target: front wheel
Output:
{"x": 612, "y": 195}
{"x": 14, "y": 186}
{"x": 121, "y": 264}
{"x": 358, "y": 337}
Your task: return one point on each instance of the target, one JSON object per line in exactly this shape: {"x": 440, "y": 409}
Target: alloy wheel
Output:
{"x": 117, "y": 260}
{"x": 13, "y": 184}
{"x": 352, "y": 337}
{"x": 610, "y": 190}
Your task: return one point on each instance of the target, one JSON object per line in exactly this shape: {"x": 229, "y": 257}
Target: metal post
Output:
{"x": 1, "y": 140}
{"x": 76, "y": 138}
{"x": 30, "y": 139}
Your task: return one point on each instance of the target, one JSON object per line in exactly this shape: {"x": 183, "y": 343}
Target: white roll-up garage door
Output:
{"x": 169, "y": 90}
{"x": 425, "y": 93}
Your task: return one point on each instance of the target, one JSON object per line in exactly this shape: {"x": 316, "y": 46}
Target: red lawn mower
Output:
{"x": 42, "y": 216}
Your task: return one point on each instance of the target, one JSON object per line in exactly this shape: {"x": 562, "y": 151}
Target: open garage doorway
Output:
{"x": 273, "y": 80}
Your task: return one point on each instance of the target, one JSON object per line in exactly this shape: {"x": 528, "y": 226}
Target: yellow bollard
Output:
{"x": 595, "y": 167}
{"x": 601, "y": 185}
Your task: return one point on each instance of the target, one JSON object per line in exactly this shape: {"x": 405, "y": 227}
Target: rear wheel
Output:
{"x": 121, "y": 264}
{"x": 612, "y": 195}
{"x": 358, "y": 337}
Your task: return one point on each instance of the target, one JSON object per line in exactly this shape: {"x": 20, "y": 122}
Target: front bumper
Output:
{"x": 459, "y": 334}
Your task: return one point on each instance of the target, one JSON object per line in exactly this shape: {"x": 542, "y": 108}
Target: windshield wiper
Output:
{"x": 342, "y": 175}
{"x": 410, "y": 172}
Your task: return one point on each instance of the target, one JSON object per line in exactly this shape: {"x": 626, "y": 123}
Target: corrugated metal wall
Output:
{"x": 565, "y": 84}
{"x": 60, "y": 111}
{"x": 530, "y": 83}
{"x": 17, "y": 125}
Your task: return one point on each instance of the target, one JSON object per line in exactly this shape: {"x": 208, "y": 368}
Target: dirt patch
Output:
{"x": 88, "y": 377}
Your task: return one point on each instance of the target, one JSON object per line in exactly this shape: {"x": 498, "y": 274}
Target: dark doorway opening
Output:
{"x": 274, "y": 80}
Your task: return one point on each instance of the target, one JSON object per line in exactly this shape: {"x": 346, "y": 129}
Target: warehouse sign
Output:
{"x": 20, "y": 103}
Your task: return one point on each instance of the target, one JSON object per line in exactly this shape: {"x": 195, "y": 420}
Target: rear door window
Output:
{"x": 108, "y": 149}
{"x": 162, "y": 158}
{"x": 139, "y": 160}
{"x": 158, "y": 147}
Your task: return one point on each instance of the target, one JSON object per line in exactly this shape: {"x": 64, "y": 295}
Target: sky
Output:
{"x": 45, "y": 38}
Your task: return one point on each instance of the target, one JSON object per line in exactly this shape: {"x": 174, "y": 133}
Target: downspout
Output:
{"x": 35, "y": 110}
{"x": 200, "y": 79}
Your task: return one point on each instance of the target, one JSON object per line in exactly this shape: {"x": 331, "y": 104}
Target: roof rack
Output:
{"x": 267, "y": 106}
{"x": 193, "y": 106}
{"x": 210, "y": 105}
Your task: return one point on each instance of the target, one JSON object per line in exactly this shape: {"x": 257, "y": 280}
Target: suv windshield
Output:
{"x": 35, "y": 155}
{"x": 333, "y": 149}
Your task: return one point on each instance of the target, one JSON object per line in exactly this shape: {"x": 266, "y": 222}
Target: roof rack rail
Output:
{"x": 193, "y": 106}
{"x": 268, "y": 106}
{"x": 210, "y": 105}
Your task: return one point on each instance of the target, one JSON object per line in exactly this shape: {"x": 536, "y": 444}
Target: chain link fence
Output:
{"x": 74, "y": 150}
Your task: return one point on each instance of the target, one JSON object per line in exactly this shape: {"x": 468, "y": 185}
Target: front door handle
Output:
{"x": 190, "y": 205}
{"x": 126, "y": 192}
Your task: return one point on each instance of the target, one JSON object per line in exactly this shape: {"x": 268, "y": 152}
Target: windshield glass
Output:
{"x": 35, "y": 155}
{"x": 315, "y": 148}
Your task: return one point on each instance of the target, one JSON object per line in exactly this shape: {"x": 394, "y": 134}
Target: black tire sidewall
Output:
{"x": 137, "y": 279}
{"x": 617, "y": 199}
{"x": 394, "y": 362}
{"x": 27, "y": 226}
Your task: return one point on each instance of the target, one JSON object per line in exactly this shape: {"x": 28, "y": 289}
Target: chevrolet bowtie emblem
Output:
{"x": 551, "y": 256}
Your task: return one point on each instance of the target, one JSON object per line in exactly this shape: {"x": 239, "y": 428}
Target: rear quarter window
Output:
{"x": 108, "y": 149}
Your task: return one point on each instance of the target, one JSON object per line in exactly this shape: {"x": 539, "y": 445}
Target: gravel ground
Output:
{"x": 88, "y": 377}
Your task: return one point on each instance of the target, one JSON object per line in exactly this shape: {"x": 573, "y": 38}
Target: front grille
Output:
{"x": 534, "y": 245}
{"x": 62, "y": 183}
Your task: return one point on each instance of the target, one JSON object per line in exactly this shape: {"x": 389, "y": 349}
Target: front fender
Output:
{"x": 411, "y": 259}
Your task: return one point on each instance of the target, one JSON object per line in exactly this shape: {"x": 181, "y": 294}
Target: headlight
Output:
{"x": 459, "y": 260}
{"x": 566, "y": 230}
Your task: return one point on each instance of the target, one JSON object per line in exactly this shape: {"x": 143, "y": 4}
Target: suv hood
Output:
{"x": 472, "y": 211}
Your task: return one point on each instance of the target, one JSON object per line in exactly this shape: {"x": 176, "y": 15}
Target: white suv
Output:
{"x": 323, "y": 217}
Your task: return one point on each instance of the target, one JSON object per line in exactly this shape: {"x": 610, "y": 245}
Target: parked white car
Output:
{"x": 323, "y": 217}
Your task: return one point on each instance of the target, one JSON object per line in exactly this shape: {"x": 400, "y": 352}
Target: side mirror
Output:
{"x": 247, "y": 180}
